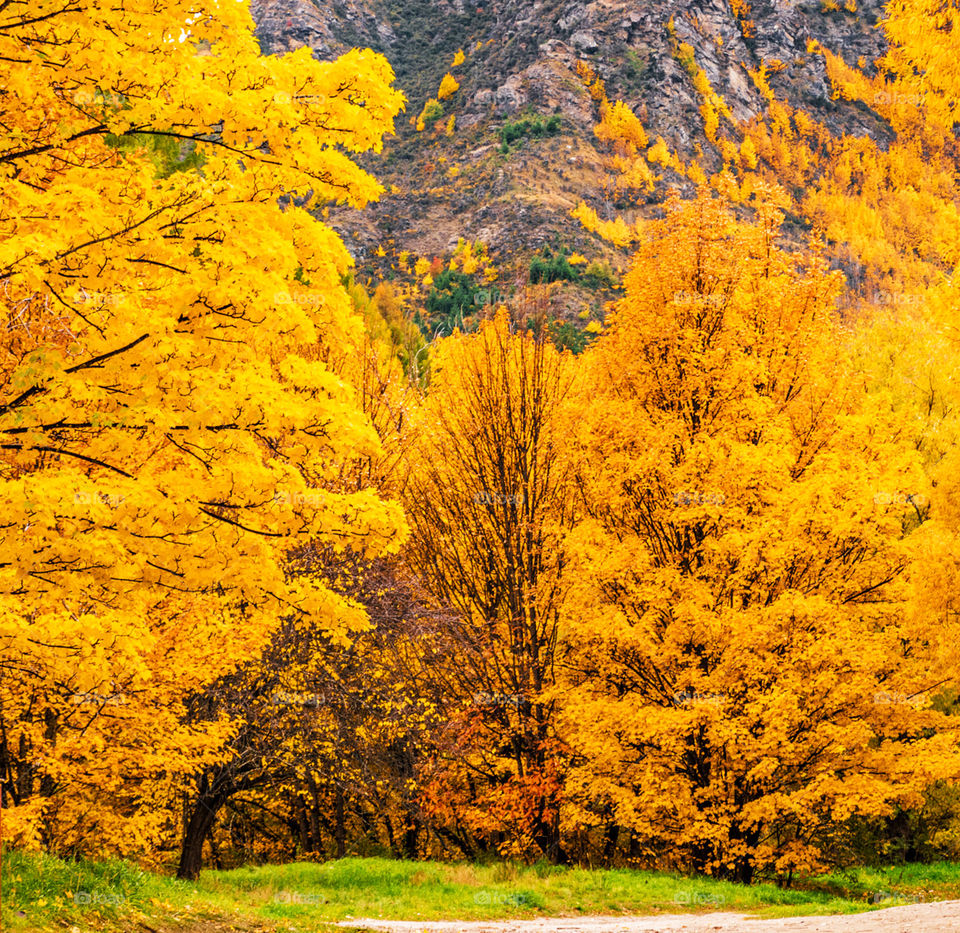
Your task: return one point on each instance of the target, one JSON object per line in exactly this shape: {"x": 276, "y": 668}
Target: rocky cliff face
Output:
{"x": 521, "y": 58}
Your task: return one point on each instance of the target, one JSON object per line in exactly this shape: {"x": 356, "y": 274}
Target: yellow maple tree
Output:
{"x": 169, "y": 426}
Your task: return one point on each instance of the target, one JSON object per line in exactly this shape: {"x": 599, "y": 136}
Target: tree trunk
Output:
{"x": 302, "y": 827}
{"x": 411, "y": 837}
{"x": 201, "y": 822}
{"x": 340, "y": 825}
{"x": 547, "y": 837}
{"x": 546, "y": 832}
{"x": 215, "y": 852}
{"x": 611, "y": 837}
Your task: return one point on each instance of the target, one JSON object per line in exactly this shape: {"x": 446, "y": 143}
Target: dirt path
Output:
{"x": 940, "y": 917}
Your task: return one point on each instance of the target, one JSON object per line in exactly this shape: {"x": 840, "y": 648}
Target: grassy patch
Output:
{"x": 891, "y": 886}
{"x": 43, "y": 893}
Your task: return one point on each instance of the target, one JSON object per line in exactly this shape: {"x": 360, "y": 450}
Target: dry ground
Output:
{"x": 940, "y": 917}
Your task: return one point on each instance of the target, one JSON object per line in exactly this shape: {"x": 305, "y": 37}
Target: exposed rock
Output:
{"x": 584, "y": 42}
{"x": 521, "y": 58}
{"x": 510, "y": 95}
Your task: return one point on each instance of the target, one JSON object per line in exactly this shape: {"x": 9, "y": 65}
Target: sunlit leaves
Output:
{"x": 170, "y": 428}
{"x": 738, "y": 593}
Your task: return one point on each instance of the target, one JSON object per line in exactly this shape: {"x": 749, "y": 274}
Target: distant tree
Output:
{"x": 549, "y": 267}
{"x": 452, "y": 298}
{"x": 448, "y": 87}
{"x": 432, "y": 111}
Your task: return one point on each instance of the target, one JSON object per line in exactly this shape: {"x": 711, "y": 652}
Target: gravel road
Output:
{"x": 939, "y": 917}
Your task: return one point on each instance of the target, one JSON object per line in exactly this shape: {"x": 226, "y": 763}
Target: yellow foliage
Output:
{"x": 619, "y": 124}
{"x": 712, "y": 105}
{"x": 761, "y": 81}
{"x": 591, "y": 81}
{"x": 448, "y": 86}
{"x": 725, "y": 658}
{"x": 741, "y": 10}
{"x": 617, "y": 231}
{"x": 163, "y": 384}
{"x": 894, "y": 207}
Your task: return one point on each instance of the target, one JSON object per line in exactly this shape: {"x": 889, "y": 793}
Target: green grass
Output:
{"x": 44, "y": 893}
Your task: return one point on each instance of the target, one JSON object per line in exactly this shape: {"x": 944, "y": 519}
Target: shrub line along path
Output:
{"x": 939, "y": 917}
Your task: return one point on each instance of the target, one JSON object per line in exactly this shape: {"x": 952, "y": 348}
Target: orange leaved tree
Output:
{"x": 744, "y": 673}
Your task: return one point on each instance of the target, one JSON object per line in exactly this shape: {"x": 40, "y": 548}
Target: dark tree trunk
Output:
{"x": 411, "y": 837}
{"x": 340, "y": 828}
{"x": 610, "y": 841}
{"x": 458, "y": 839}
{"x": 744, "y": 869}
{"x": 302, "y": 827}
{"x": 391, "y": 839}
{"x": 548, "y": 838}
{"x": 315, "y": 815}
{"x": 215, "y": 852}
{"x": 701, "y": 856}
{"x": 201, "y": 822}
{"x": 546, "y": 833}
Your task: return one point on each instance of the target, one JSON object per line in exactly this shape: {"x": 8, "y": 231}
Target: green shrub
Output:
{"x": 451, "y": 299}
{"x": 567, "y": 336}
{"x": 536, "y": 127}
{"x": 636, "y": 64}
{"x": 599, "y": 274}
{"x": 549, "y": 268}
{"x": 432, "y": 112}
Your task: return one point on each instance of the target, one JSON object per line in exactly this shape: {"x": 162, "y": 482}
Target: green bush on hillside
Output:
{"x": 537, "y": 127}
{"x": 547, "y": 267}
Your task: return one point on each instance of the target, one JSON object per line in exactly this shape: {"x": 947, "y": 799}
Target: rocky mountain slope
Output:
{"x": 521, "y": 59}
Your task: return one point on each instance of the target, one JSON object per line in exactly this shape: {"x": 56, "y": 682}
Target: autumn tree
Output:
{"x": 488, "y": 501}
{"x": 893, "y": 210}
{"x": 744, "y": 671}
{"x": 311, "y": 713}
{"x": 332, "y": 741}
{"x": 166, "y": 411}
{"x": 448, "y": 87}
